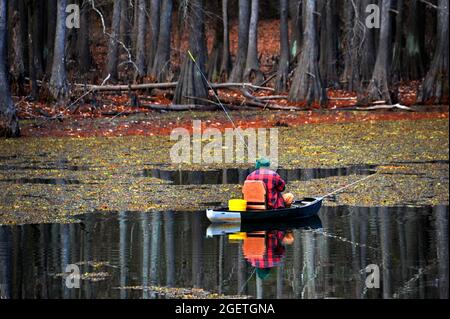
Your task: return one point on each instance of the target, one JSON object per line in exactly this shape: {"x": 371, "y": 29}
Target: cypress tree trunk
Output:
{"x": 191, "y": 82}
{"x": 134, "y": 34}
{"x": 295, "y": 9}
{"x": 307, "y": 83}
{"x": 378, "y": 88}
{"x": 23, "y": 17}
{"x": 215, "y": 58}
{"x": 9, "y": 123}
{"x": 140, "y": 50}
{"x": 113, "y": 48}
{"x": 161, "y": 65}
{"x": 155, "y": 10}
{"x": 58, "y": 82}
{"x": 352, "y": 41}
{"x": 84, "y": 46}
{"x": 329, "y": 44}
{"x": 72, "y": 49}
{"x": 399, "y": 44}
{"x": 37, "y": 31}
{"x": 237, "y": 73}
{"x": 125, "y": 22}
{"x": 51, "y": 26}
{"x": 413, "y": 58}
{"x": 252, "y": 72}
{"x": 32, "y": 68}
{"x": 283, "y": 66}
{"x": 226, "y": 57}
{"x": 17, "y": 59}
{"x": 435, "y": 85}
{"x": 367, "y": 54}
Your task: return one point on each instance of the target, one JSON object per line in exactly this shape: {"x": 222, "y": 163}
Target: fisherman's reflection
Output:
{"x": 266, "y": 250}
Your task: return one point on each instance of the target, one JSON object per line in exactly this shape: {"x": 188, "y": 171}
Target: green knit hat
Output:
{"x": 262, "y": 162}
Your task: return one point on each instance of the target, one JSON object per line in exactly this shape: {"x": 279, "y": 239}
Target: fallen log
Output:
{"x": 249, "y": 105}
{"x": 124, "y": 87}
{"x": 377, "y": 107}
{"x": 169, "y": 85}
{"x": 385, "y": 107}
{"x": 272, "y": 97}
{"x": 180, "y": 108}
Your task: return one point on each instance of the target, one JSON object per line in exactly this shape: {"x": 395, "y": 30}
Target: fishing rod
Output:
{"x": 348, "y": 186}
{"x": 217, "y": 98}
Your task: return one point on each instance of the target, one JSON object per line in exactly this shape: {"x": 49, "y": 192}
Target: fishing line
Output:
{"x": 245, "y": 284}
{"x": 218, "y": 100}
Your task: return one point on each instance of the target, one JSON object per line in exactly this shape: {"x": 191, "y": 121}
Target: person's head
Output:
{"x": 263, "y": 273}
{"x": 262, "y": 163}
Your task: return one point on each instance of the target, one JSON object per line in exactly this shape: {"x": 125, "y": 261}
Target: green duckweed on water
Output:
{"x": 45, "y": 180}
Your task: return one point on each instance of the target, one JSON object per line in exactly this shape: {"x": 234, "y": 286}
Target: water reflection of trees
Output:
{"x": 409, "y": 244}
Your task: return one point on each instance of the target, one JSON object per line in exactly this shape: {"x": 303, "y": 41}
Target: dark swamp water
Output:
{"x": 320, "y": 258}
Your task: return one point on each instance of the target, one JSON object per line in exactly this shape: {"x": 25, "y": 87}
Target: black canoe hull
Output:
{"x": 304, "y": 209}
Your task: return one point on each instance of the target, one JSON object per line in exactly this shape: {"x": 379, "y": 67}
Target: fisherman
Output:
{"x": 275, "y": 185}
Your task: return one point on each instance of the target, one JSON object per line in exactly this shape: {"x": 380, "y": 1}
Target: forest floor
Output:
{"x": 57, "y": 171}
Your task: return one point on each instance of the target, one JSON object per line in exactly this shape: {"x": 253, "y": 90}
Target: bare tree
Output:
{"x": 17, "y": 60}
{"x": 84, "y": 50}
{"x": 191, "y": 82}
{"x": 367, "y": 53}
{"x": 9, "y": 123}
{"x": 113, "y": 44}
{"x": 161, "y": 65}
{"x": 51, "y": 28}
{"x": 252, "y": 71}
{"x": 329, "y": 43}
{"x": 215, "y": 57}
{"x": 126, "y": 15}
{"x": 140, "y": 46}
{"x": 226, "y": 57}
{"x": 307, "y": 84}
{"x": 283, "y": 65}
{"x": 295, "y": 12}
{"x": 378, "y": 88}
{"x": 244, "y": 22}
{"x": 352, "y": 39}
{"x": 435, "y": 85}
{"x": 413, "y": 66}
{"x": 155, "y": 11}
{"x": 58, "y": 85}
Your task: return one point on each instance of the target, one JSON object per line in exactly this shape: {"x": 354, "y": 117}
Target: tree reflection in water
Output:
{"x": 170, "y": 249}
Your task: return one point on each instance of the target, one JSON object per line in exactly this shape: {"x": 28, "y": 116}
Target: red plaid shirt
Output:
{"x": 274, "y": 252}
{"x": 275, "y": 185}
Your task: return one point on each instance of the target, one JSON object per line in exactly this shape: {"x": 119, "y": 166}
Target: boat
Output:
{"x": 303, "y": 209}
{"x": 233, "y": 228}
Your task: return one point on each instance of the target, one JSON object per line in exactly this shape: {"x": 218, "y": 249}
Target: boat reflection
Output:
{"x": 263, "y": 246}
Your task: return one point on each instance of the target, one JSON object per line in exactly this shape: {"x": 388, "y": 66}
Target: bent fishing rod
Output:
{"x": 347, "y": 186}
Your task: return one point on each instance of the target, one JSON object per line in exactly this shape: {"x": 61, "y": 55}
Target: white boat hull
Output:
{"x": 223, "y": 217}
